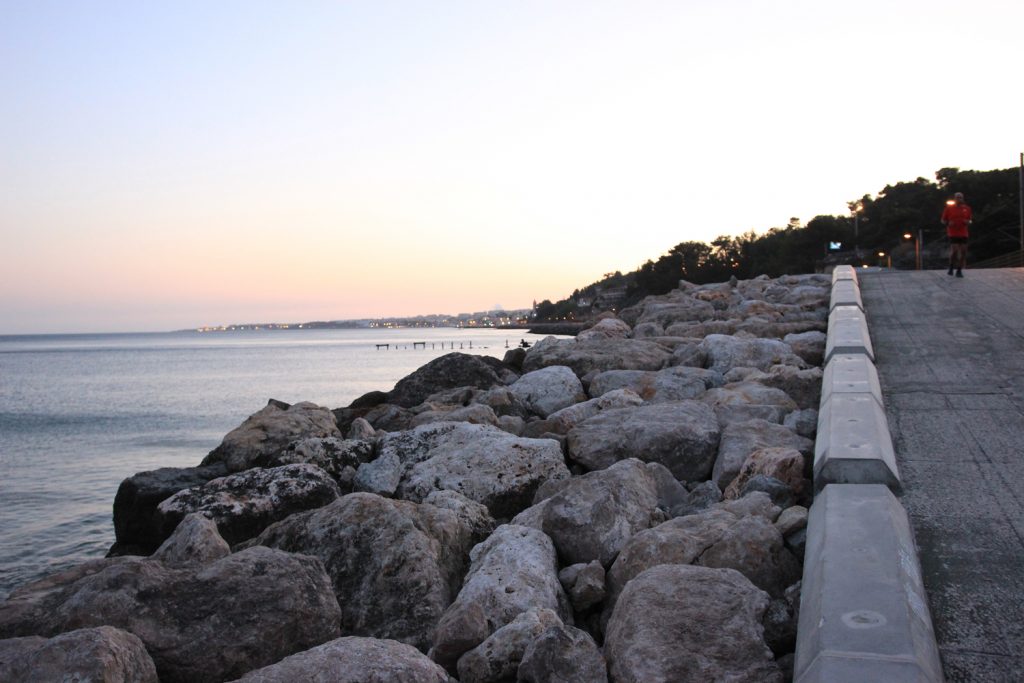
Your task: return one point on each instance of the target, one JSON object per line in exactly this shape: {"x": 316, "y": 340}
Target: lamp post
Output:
{"x": 917, "y": 249}
{"x": 883, "y": 255}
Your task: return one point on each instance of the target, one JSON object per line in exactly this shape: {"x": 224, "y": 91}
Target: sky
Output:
{"x": 172, "y": 165}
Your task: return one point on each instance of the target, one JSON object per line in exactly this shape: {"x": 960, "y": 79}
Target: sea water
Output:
{"x": 80, "y": 413}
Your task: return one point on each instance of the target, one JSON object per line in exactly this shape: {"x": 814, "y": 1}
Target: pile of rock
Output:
{"x": 628, "y": 505}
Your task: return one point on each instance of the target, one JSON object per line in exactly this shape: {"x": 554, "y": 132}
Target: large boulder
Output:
{"x": 447, "y": 372}
{"x": 138, "y": 527}
{"x": 96, "y": 654}
{"x": 746, "y": 400}
{"x": 269, "y": 431}
{"x": 740, "y": 439}
{"x": 498, "y": 657}
{"x": 476, "y": 413}
{"x": 565, "y": 419}
{"x": 563, "y": 654}
{"x": 549, "y": 389}
{"x": 606, "y": 328}
{"x": 246, "y": 503}
{"x": 194, "y": 541}
{"x": 723, "y": 352}
{"x": 340, "y": 458}
{"x": 199, "y": 623}
{"x": 395, "y": 566}
{"x": 670, "y": 384}
{"x": 683, "y": 436}
{"x": 803, "y": 386}
{"x": 683, "y": 623}
{"x": 598, "y": 355}
{"x": 353, "y": 660}
{"x": 513, "y": 571}
{"x": 481, "y": 462}
{"x": 785, "y": 464}
{"x": 808, "y": 345}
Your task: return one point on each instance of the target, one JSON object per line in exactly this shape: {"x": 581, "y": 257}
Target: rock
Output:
{"x": 803, "y": 386}
{"x": 740, "y": 439}
{"x": 723, "y": 352}
{"x": 390, "y": 418}
{"x": 269, "y": 431}
{"x": 394, "y": 566}
{"x": 563, "y": 654}
{"x": 608, "y": 328}
{"x": 199, "y": 623}
{"x": 748, "y": 400}
{"x": 503, "y": 402}
{"x": 353, "y": 660}
{"x": 598, "y": 354}
{"x": 514, "y": 358}
{"x": 781, "y": 494}
{"x": 791, "y": 519}
{"x": 595, "y": 514}
{"x": 588, "y": 588}
{"x": 381, "y": 476}
{"x": 665, "y": 313}
{"x": 482, "y": 463}
{"x": 648, "y": 330}
{"x": 671, "y": 384}
{"x": 754, "y": 547}
{"x": 780, "y": 626}
{"x": 339, "y": 458}
{"x": 683, "y": 436}
{"x": 97, "y": 654}
{"x": 683, "y": 623}
{"x": 137, "y": 525}
{"x": 796, "y": 541}
{"x": 194, "y": 541}
{"x": 689, "y": 354}
{"x": 498, "y": 657}
{"x": 784, "y": 464}
{"x": 244, "y": 504}
{"x": 803, "y": 422}
{"x": 549, "y": 389}
{"x": 512, "y": 425}
{"x": 756, "y": 503}
{"x": 469, "y": 512}
{"x": 565, "y": 419}
{"x": 513, "y": 571}
{"x": 361, "y": 430}
{"x": 474, "y": 414}
{"x": 701, "y": 497}
{"x": 447, "y": 372}
{"x": 808, "y": 345}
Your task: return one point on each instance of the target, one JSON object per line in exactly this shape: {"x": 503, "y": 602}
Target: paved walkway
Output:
{"x": 950, "y": 356}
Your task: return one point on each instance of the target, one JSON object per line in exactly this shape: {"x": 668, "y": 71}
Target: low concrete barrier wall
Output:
{"x": 846, "y": 293}
{"x": 848, "y": 333}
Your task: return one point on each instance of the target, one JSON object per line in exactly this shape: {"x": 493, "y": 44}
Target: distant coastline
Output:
{"x": 496, "y": 319}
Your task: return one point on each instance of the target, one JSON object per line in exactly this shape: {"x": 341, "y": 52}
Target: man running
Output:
{"x": 956, "y": 217}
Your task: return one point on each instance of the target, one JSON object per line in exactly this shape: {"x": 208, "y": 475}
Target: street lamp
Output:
{"x": 882, "y": 255}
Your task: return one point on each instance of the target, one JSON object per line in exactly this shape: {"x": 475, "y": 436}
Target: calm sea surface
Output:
{"x": 79, "y": 413}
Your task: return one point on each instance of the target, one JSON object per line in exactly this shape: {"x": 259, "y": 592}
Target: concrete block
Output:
{"x": 853, "y": 445}
{"x": 863, "y": 610}
{"x": 846, "y": 293}
{"x": 850, "y": 373}
{"x": 844, "y": 273}
{"x": 848, "y": 333}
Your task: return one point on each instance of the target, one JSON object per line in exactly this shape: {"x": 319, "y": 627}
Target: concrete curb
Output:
{"x": 845, "y": 293}
{"x": 864, "y": 613}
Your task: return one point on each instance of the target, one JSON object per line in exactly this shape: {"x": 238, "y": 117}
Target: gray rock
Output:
{"x": 361, "y": 430}
{"x": 689, "y": 354}
{"x": 682, "y": 436}
{"x": 803, "y": 386}
{"x": 549, "y": 389}
{"x": 808, "y": 345}
{"x": 381, "y": 476}
{"x": 755, "y": 503}
{"x": 598, "y": 354}
{"x": 194, "y": 541}
{"x": 199, "y": 623}
{"x": 723, "y": 352}
{"x": 512, "y": 424}
{"x": 595, "y": 514}
{"x": 502, "y": 401}
{"x": 474, "y": 414}
{"x": 481, "y": 462}
{"x": 747, "y": 400}
{"x": 648, "y": 330}
{"x": 796, "y": 542}
{"x": 701, "y": 497}
{"x": 562, "y": 421}
{"x": 447, "y": 372}
{"x": 269, "y": 431}
{"x": 780, "y": 621}
{"x": 563, "y": 654}
{"x": 513, "y": 571}
{"x": 674, "y": 310}
{"x": 670, "y": 384}
{"x": 353, "y": 660}
{"x": 740, "y": 439}
{"x": 588, "y": 588}
{"x": 791, "y": 519}
{"x": 339, "y": 458}
{"x": 394, "y": 566}
{"x": 497, "y": 658}
{"x": 97, "y": 654}
{"x": 754, "y": 547}
{"x": 781, "y": 494}
{"x": 469, "y": 512}
{"x": 390, "y": 418}
{"x": 683, "y": 623}
{"x": 803, "y": 422}
{"x": 786, "y": 465}
{"x": 137, "y": 525}
{"x": 607, "y": 328}
{"x": 244, "y": 504}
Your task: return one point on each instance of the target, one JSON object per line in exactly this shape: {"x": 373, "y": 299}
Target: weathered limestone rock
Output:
{"x": 648, "y": 330}
{"x": 700, "y": 497}
{"x": 549, "y": 389}
{"x": 447, "y": 372}
{"x": 194, "y": 541}
{"x": 97, "y": 654}
{"x": 682, "y": 623}
{"x": 740, "y": 439}
{"x": 395, "y": 566}
{"x": 199, "y": 623}
{"x": 724, "y": 352}
{"x": 353, "y": 660}
{"x": 754, "y": 547}
{"x": 682, "y": 309}
{"x": 246, "y": 503}
{"x": 269, "y": 431}
{"x": 808, "y": 345}
{"x": 565, "y": 419}
{"x": 390, "y": 418}
{"x": 803, "y": 386}
{"x": 339, "y": 458}
{"x": 608, "y": 328}
{"x": 588, "y": 588}
{"x": 563, "y": 654}
{"x": 474, "y": 414}
{"x": 497, "y": 658}
{"x": 683, "y": 436}
{"x": 481, "y": 462}
{"x": 785, "y": 464}
{"x": 803, "y": 422}
{"x": 137, "y": 524}
{"x": 741, "y": 401}
{"x": 670, "y": 384}
{"x": 780, "y": 494}
{"x": 361, "y": 430}
{"x": 598, "y": 354}
{"x": 502, "y": 401}
{"x": 791, "y": 519}
{"x": 513, "y": 571}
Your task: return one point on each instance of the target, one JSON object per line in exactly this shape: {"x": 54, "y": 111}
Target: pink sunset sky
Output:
{"x": 194, "y": 163}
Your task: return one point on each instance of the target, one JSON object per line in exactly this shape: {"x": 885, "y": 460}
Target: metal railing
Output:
{"x": 1013, "y": 259}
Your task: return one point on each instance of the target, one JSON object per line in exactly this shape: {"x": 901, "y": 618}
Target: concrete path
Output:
{"x": 950, "y": 357}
